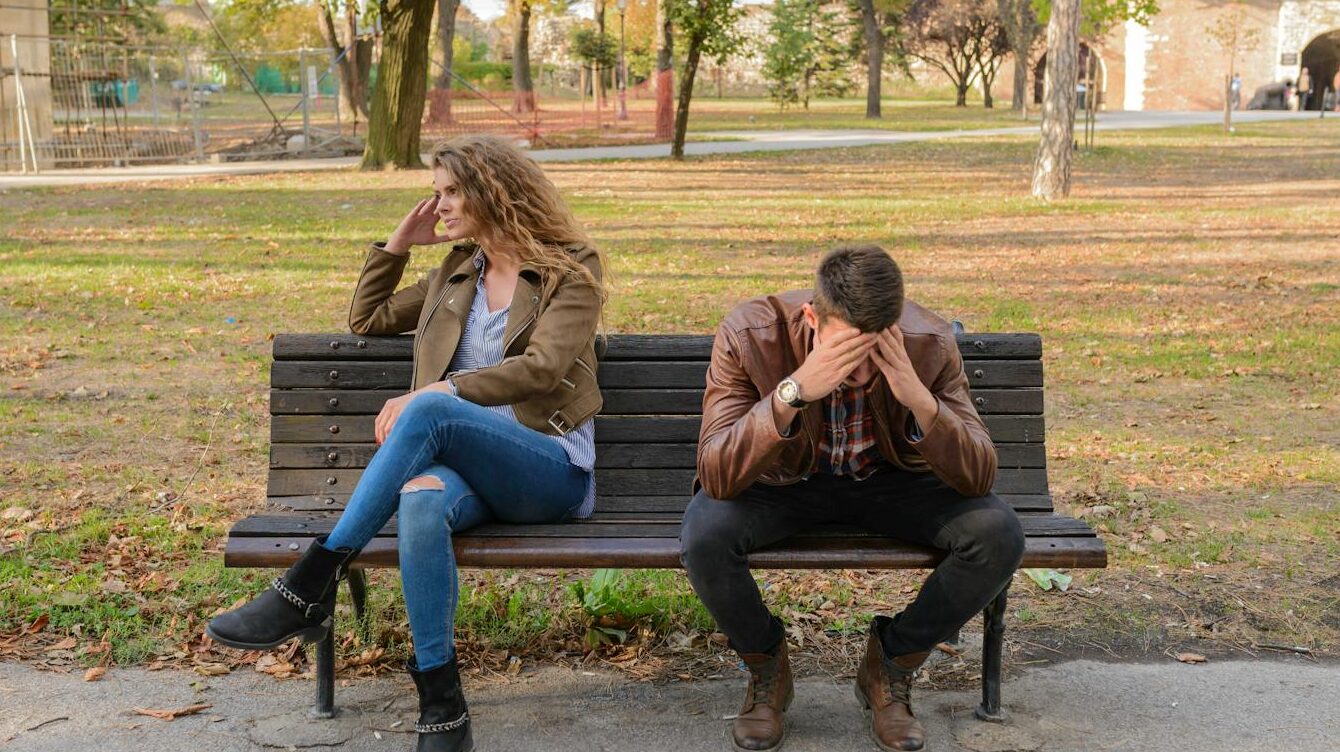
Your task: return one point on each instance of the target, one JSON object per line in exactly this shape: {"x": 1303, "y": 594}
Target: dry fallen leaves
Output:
{"x": 1191, "y": 658}
{"x": 174, "y": 713}
{"x": 212, "y": 669}
{"x": 95, "y": 673}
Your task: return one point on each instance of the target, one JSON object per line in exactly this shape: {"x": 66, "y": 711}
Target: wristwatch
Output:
{"x": 789, "y": 392}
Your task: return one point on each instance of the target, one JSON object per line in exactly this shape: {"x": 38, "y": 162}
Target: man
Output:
{"x": 1235, "y": 91}
{"x": 1304, "y": 89}
{"x": 843, "y": 404}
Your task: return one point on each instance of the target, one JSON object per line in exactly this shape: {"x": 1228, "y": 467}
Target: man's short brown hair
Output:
{"x": 862, "y": 285}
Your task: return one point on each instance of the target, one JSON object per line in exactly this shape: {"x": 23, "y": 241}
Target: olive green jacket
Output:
{"x": 548, "y": 371}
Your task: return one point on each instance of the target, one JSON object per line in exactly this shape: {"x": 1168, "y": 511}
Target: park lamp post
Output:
{"x": 622, "y": 5}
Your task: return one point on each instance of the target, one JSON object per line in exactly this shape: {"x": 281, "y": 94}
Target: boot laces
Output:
{"x": 764, "y": 685}
{"x": 899, "y": 687}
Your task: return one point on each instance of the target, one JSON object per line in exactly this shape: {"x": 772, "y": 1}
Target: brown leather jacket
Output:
{"x": 765, "y": 339}
{"x": 548, "y": 369}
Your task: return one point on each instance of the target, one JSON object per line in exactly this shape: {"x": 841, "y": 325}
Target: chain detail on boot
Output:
{"x": 303, "y": 606}
{"x": 437, "y": 728}
{"x": 444, "y": 718}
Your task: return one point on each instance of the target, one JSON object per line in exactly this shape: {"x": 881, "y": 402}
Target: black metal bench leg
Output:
{"x": 358, "y": 591}
{"x": 993, "y": 645}
{"x": 325, "y": 676}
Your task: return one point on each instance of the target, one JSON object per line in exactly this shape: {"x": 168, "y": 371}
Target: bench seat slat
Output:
{"x": 614, "y": 481}
{"x": 663, "y": 553}
{"x": 599, "y": 525}
{"x": 640, "y": 374}
{"x": 300, "y": 346}
{"x": 675, "y": 502}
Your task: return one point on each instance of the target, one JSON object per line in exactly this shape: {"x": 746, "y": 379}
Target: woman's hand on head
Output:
{"x": 419, "y": 227}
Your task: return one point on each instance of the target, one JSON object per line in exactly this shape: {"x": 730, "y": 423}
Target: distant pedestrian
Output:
{"x": 1235, "y": 91}
{"x": 1304, "y": 89}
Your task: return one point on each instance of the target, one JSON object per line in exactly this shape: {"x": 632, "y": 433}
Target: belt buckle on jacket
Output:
{"x": 559, "y": 423}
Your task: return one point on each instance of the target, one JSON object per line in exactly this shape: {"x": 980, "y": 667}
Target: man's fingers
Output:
{"x": 839, "y": 336}
{"x": 857, "y": 342}
{"x": 891, "y": 342}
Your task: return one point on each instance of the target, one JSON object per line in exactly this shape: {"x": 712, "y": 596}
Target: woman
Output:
{"x": 499, "y": 424}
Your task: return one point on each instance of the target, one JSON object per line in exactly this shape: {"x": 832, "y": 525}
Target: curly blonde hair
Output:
{"x": 519, "y": 208}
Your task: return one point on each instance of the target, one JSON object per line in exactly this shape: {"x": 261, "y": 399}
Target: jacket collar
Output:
{"x": 525, "y": 299}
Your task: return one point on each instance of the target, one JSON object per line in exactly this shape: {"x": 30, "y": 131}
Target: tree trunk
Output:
{"x": 961, "y": 92}
{"x": 360, "y": 53}
{"x": 1021, "y": 30}
{"x": 352, "y": 103}
{"x": 1021, "y": 62}
{"x": 446, "y": 38}
{"x": 523, "y": 89}
{"x": 685, "y": 95}
{"x": 874, "y": 45}
{"x": 600, "y": 29}
{"x": 397, "y": 103}
{"x": 665, "y": 73}
{"x": 987, "y": 101}
{"x": 1051, "y": 170}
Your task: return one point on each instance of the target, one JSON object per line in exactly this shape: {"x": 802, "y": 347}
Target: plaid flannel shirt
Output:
{"x": 847, "y": 444}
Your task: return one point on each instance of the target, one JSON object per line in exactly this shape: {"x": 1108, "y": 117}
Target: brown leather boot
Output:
{"x": 759, "y": 725}
{"x": 884, "y": 687}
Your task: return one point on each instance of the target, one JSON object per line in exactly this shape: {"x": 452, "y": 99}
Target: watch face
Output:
{"x": 787, "y": 391}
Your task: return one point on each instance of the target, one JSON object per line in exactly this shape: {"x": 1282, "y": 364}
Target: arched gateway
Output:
{"x": 1321, "y": 57}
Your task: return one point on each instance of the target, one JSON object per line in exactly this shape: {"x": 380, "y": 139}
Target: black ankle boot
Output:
{"x": 444, "y": 722}
{"x": 301, "y": 603}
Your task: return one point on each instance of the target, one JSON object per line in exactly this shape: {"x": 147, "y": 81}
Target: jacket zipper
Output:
{"x": 431, "y": 311}
{"x": 517, "y": 333}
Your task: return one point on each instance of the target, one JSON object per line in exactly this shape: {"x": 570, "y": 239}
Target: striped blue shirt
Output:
{"x": 482, "y": 347}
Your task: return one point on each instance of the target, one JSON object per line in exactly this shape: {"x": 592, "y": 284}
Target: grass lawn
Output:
{"x": 1188, "y": 295}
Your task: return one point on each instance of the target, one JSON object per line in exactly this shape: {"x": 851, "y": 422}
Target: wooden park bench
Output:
{"x": 326, "y": 390}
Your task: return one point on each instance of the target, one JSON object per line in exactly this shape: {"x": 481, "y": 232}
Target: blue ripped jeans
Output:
{"x": 490, "y": 468}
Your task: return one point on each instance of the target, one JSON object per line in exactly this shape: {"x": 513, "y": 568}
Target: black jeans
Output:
{"x": 982, "y": 537}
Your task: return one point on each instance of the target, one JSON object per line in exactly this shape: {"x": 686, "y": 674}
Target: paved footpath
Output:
{"x": 742, "y": 142}
{"x": 1083, "y": 706}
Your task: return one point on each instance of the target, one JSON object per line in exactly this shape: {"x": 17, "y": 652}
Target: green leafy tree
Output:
{"x": 790, "y": 53}
{"x": 593, "y": 47}
{"x": 808, "y": 53}
{"x": 127, "y": 20}
{"x": 707, "y": 27}
{"x": 1099, "y": 17}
